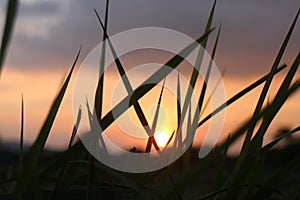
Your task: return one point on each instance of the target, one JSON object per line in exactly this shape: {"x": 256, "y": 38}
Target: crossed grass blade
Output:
{"x": 11, "y": 13}
{"x": 36, "y": 149}
{"x": 129, "y": 89}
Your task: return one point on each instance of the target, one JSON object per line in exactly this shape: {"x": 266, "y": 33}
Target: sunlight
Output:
{"x": 162, "y": 138}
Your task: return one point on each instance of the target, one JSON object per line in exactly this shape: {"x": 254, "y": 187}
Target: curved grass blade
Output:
{"x": 36, "y": 149}
{"x": 11, "y": 13}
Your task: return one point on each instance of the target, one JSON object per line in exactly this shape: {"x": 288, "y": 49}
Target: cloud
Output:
{"x": 48, "y": 33}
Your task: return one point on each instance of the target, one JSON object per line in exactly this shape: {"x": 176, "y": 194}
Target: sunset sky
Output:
{"x": 48, "y": 34}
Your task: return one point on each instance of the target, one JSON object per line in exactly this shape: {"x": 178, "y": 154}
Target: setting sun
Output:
{"x": 162, "y": 138}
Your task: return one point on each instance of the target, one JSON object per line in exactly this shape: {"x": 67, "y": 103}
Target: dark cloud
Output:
{"x": 252, "y": 31}
{"x": 40, "y": 8}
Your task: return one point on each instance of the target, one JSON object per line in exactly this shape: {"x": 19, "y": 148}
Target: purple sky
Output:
{"x": 48, "y": 33}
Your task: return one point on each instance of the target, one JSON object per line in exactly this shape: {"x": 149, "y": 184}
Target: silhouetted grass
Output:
{"x": 75, "y": 174}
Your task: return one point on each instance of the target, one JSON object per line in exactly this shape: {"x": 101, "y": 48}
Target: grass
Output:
{"x": 76, "y": 174}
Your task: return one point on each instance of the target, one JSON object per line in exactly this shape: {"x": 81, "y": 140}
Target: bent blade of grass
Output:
{"x": 238, "y": 96}
{"x": 36, "y": 149}
{"x": 11, "y": 13}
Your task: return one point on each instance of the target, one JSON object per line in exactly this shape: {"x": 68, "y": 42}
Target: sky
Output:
{"x": 48, "y": 34}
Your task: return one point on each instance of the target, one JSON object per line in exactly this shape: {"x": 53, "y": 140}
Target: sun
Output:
{"x": 162, "y": 138}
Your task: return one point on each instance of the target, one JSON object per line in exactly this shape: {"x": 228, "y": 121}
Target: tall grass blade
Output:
{"x": 198, "y": 64}
{"x": 204, "y": 86}
{"x": 99, "y": 91}
{"x": 11, "y": 13}
{"x": 36, "y": 149}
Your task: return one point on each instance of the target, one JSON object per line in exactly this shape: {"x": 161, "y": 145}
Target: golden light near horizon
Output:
{"x": 162, "y": 138}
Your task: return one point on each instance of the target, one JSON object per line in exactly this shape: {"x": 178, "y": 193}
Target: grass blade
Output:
{"x": 37, "y": 148}
{"x": 11, "y": 13}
